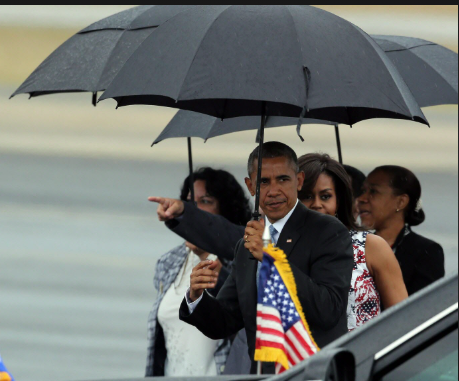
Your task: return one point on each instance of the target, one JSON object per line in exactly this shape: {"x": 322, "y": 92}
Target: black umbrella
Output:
{"x": 188, "y": 124}
{"x": 429, "y": 70}
{"x": 285, "y": 60}
{"x": 88, "y": 61}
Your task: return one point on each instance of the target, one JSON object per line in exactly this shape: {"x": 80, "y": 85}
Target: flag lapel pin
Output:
{"x": 289, "y": 240}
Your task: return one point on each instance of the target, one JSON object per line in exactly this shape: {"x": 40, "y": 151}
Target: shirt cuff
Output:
{"x": 192, "y": 305}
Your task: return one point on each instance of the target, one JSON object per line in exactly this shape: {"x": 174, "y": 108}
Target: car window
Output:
{"x": 438, "y": 362}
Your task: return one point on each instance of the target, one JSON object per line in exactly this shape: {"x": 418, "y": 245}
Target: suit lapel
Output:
{"x": 291, "y": 232}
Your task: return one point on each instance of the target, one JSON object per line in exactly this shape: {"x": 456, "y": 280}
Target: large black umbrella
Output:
{"x": 88, "y": 61}
{"x": 430, "y": 70}
{"x": 281, "y": 60}
{"x": 188, "y": 124}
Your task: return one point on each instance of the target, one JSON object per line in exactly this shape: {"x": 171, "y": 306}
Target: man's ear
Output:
{"x": 403, "y": 201}
{"x": 250, "y": 186}
{"x": 300, "y": 176}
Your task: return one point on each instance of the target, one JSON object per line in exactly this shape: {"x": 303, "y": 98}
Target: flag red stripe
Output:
{"x": 290, "y": 358}
{"x": 302, "y": 341}
{"x": 270, "y": 344}
{"x": 270, "y": 331}
{"x": 269, "y": 317}
{"x": 293, "y": 347}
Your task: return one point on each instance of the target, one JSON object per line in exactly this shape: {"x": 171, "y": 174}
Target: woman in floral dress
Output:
{"x": 377, "y": 281}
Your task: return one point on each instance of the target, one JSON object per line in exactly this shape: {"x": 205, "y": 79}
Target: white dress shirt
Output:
{"x": 278, "y": 225}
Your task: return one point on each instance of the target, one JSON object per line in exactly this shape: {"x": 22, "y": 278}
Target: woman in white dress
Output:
{"x": 176, "y": 348}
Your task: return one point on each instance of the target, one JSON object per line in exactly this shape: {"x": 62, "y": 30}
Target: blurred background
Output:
{"x": 79, "y": 240}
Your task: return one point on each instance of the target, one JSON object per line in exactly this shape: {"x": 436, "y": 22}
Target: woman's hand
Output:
{"x": 203, "y": 276}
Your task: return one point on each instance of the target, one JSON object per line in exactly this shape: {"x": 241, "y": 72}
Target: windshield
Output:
{"x": 438, "y": 362}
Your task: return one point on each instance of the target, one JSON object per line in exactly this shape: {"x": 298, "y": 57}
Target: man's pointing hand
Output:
{"x": 168, "y": 208}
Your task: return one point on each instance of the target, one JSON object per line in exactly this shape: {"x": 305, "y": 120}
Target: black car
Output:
{"x": 415, "y": 341}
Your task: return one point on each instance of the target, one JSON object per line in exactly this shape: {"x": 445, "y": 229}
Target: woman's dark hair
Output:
{"x": 403, "y": 181}
{"x": 222, "y": 185}
{"x": 358, "y": 179}
{"x": 315, "y": 164}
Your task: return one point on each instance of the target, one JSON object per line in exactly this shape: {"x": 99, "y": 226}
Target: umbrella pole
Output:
{"x": 338, "y": 143}
{"x": 190, "y": 164}
{"x": 261, "y": 134}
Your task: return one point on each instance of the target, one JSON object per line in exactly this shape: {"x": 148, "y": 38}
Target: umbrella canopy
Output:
{"x": 235, "y": 60}
{"x": 429, "y": 70}
{"x": 88, "y": 61}
{"x": 187, "y": 124}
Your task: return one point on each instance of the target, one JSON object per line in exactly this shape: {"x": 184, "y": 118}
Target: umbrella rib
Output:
{"x": 196, "y": 52}
{"x": 108, "y": 60}
{"x": 392, "y": 70}
{"x": 303, "y": 67}
{"x": 411, "y": 48}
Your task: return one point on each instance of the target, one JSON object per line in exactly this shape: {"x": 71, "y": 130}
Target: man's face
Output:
{"x": 279, "y": 187}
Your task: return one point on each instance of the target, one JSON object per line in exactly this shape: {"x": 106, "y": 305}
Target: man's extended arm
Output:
{"x": 211, "y": 233}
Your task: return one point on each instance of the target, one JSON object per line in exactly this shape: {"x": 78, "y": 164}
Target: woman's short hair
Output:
{"x": 315, "y": 164}
{"x": 234, "y": 205}
{"x": 403, "y": 181}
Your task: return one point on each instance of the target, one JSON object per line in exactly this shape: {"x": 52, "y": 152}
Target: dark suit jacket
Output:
{"x": 211, "y": 233}
{"x": 320, "y": 253}
{"x": 422, "y": 261}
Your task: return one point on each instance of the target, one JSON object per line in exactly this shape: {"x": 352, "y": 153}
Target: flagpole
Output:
{"x": 266, "y": 242}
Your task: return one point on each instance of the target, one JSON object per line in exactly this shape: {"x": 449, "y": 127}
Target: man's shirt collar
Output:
{"x": 279, "y": 225}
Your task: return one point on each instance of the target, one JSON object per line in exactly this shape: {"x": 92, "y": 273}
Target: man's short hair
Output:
{"x": 273, "y": 150}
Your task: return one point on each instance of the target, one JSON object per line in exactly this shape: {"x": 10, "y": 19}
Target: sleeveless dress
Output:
{"x": 364, "y": 299}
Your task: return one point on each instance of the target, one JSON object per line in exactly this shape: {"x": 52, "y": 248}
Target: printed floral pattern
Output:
{"x": 364, "y": 299}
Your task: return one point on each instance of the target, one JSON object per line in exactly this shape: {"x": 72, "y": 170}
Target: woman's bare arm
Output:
{"x": 386, "y": 272}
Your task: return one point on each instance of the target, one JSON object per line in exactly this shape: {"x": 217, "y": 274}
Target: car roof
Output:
{"x": 375, "y": 336}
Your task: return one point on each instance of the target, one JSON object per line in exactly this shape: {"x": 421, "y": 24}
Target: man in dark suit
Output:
{"x": 318, "y": 248}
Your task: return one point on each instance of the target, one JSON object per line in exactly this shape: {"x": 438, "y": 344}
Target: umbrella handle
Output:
{"x": 190, "y": 164}
{"x": 338, "y": 144}
{"x": 261, "y": 133}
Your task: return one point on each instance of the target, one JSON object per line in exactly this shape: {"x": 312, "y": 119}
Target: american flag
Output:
{"x": 283, "y": 335}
